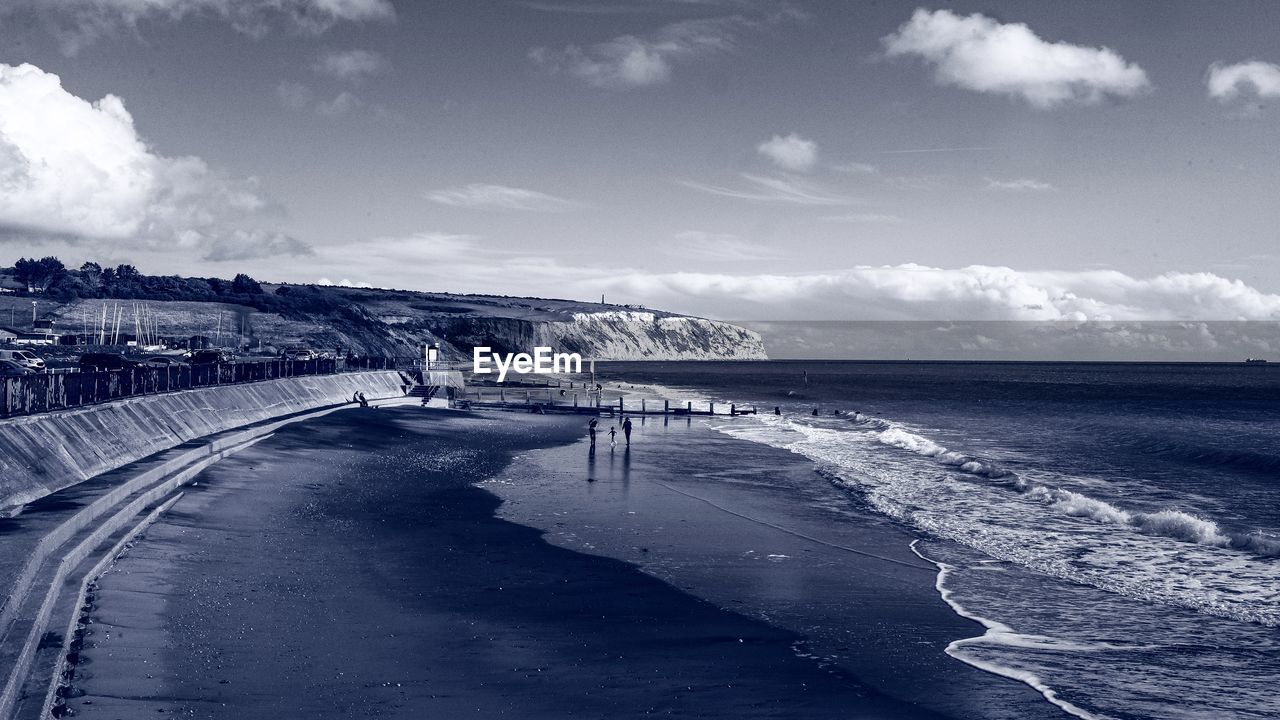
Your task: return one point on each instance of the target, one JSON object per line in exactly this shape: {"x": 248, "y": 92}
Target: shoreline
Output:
{"x": 265, "y": 566}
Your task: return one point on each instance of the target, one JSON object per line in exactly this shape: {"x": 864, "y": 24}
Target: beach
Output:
{"x": 367, "y": 564}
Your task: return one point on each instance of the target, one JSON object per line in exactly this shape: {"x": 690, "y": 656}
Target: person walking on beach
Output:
{"x": 613, "y": 437}
{"x": 591, "y": 428}
{"x": 626, "y": 430}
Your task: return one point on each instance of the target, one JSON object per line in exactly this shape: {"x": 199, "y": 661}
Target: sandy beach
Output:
{"x": 352, "y": 566}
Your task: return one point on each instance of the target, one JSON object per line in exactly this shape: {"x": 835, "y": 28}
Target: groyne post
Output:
{"x": 666, "y": 406}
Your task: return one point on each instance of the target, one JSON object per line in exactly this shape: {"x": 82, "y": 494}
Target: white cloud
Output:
{"x": 294, "y": 96}
{"x": 350, "y": 65}
{"x": 856, "y": 168}
{"x": 892, "y": 292}
{"x": 864, "y": 218}
{"x": 499, "y": 197}
{"x": 343, "y": 103}
{"x": 717, "y": 246}
{"x": 788, "y": 191}
{"x": 77, "y": 169}
{"x": 629, "y": 61}
{"x": 79, "y": 22}
{"x": 1019, "y": 185}
{"x": 978, "y": 53}
{"x": 790, "y": 152}
{"x": 1227, "y": 82}
{"x": 970, "y": 293}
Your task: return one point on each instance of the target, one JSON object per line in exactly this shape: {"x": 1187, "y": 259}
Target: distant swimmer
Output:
{"x": 591, "y": 428}
{"x": 777, "y": 410}
{"x": 626, "y": 430}
{"x": 815, "y": 412}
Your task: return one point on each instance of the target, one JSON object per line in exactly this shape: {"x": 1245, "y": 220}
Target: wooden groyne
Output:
{"x": 551, "y": 400}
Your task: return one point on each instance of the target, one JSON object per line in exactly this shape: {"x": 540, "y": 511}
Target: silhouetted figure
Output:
{"x": 815, "y": 412}
{"x": 364, "y": 402}
{"x": 613, "y": 436}
{"x": 777, "y": 410}
{"x": 591, "y": 428}
{"x": 626, "y": 430}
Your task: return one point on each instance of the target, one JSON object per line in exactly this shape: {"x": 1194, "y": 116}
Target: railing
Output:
{"x": 31, "y": 394}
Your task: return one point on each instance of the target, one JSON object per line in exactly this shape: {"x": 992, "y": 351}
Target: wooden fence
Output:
{"x": 37, "y": 393}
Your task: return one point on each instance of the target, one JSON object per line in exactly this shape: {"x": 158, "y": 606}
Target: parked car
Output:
{"x": 12, "y": 368}
{"x": 98, "y": 362}
{"x": 300, "y": 354}
{"x": 163, "y": 361}
{"x": 25, "y": 358}
{"x": 210, "y": 357}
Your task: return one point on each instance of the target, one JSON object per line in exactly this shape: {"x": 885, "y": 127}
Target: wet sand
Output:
{"x": 349, "y": 567}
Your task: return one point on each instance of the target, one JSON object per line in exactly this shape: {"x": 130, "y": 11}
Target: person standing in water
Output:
{"x": 626, "y": 430}
{"x": 591, "y": 428}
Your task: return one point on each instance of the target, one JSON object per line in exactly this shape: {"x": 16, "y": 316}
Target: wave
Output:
{"x": 998, "y": 633}
{"x": 1171, "y": 523}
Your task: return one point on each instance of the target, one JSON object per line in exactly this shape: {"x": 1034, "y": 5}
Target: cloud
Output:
{"x": 252, "y": 245}
{"x": 784, "y": 190}
{"x": 78, "y": 23}
{"x": 500, "y": 197}
{"x": 717, "y": 246}
{"x": 864, "y": 218}
{"x": 631, "y": 61}
{"x": 1256, "y": 78}
{"x": 856, "y": 168}
{"x": 294, "y": 96}
{"x": 790, "y": 152}
{"x": 350, "y": 65}
{"x": 1019, "y": 185}
{"x": 343, "y": 103}
{"x": 73, "y": 169}
{"x": 974, "y": 292}
{"x": 461, "y": 263}
{"x": 978, "y": 53}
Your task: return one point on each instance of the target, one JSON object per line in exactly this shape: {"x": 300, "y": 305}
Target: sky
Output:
{"x": 738, "y": 159}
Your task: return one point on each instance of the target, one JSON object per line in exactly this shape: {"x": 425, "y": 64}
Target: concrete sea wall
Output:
{"x": 45, "y": 453}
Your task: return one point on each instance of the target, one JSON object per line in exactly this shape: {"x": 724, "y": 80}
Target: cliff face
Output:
{"x": 609, "y": 335}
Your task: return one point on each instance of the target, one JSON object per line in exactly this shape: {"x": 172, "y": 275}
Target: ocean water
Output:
{"x": 1114, "y": 528}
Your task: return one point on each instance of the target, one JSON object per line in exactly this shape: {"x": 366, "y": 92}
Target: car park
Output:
{"x": 25, "y": 358}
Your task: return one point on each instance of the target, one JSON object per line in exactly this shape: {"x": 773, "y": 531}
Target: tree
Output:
{"x": 91, "y": 274}
{"x": 245, "y": 285}
{"x": 37, "y": 275}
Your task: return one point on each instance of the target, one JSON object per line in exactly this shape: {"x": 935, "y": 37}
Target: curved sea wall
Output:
{"x": 44, "y": 453}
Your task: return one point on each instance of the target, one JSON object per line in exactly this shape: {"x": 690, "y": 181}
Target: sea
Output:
{"x": 1113, "y": 530}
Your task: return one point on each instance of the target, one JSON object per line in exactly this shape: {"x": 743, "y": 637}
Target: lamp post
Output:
{"x": 33, "y": 314}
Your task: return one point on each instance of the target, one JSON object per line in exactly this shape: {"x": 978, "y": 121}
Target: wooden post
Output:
{"x": 642, "y": 406}
{"x": 712, "y": 411}
{"x": 666, "y": 406}
{"x": 575, "y": 399}
{"x": 690, "y": 407}
{"x": 502, "y": 394}
{"x": 619, "y": 405}
{"x": 733, "y": 409}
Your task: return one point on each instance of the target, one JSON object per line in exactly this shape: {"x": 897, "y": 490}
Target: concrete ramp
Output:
{"x": 41, "y": 454}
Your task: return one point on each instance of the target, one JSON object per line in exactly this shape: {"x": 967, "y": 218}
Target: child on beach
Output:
{"x": 613, "y": 432}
